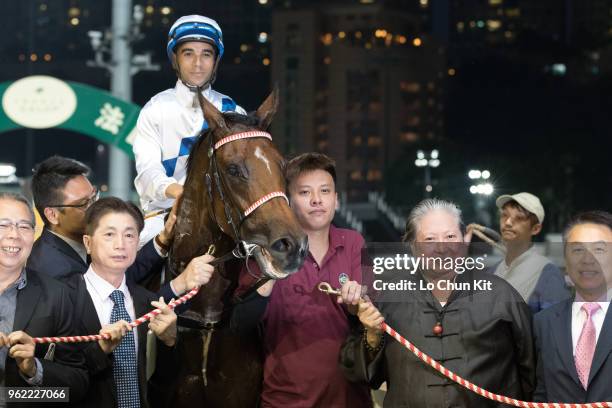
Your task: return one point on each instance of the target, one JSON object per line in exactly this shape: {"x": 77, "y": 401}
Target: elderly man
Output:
{"x": 32, "y": 305}
{"x": 534, "y": 276}
{"x": 481, "y": 333}
{"x": 574, "y": 338}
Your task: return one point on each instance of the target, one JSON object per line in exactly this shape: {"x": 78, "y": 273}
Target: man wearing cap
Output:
{"x": 534, "y": 276}
{"x": 172, "y": 120}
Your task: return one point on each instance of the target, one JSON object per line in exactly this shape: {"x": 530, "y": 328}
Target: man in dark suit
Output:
{"x": 32, "y": 305}
{"x": 106, "y": 301}
{"x": 62, "y": 194}
{"x": 574, "y": 338}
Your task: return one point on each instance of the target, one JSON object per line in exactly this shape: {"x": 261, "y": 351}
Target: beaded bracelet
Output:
{"x": 367, "y": 346}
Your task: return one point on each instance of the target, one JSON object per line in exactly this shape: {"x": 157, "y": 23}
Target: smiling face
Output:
{"x": 113, "y": 244}
{"x": 313, "y": 199}
{"x": 195, "y": 61}
{"x": 16, "y": 235}
{"x": 588, "y": 257}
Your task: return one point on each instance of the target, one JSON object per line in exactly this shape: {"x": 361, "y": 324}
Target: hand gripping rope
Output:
{"x": 145, "y": 318}
{"x": 106, "y": 336}
{"x": 327, "y": 288}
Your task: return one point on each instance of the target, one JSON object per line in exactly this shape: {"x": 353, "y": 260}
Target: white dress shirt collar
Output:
{"x": 101, "y": 288}
{"x": 579, "y": 317}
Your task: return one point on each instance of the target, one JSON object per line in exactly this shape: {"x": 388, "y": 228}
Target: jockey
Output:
{"x": 172, "y": 120}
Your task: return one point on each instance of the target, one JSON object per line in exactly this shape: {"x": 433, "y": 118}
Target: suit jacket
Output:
{"x": 44, "y": 309}
{"x": 102, "y": 391}
{"x": 557, "y": 379}
{"x": 53, "y": 256}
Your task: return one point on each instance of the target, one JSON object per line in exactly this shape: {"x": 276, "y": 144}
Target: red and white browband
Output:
{"x": 250, "y": 135}
{"x": 263, "y": 200}
{"x": 242, "y": 135}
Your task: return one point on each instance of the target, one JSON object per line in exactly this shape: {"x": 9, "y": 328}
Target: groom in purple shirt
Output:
{"x": 303, "y": 327}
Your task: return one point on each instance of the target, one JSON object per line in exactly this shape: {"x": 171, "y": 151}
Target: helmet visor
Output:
{"x": 196, "y": 32}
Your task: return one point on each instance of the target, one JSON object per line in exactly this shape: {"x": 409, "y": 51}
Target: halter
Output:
{"x": 213, "y": 173}
{"x": 243, "y": 250}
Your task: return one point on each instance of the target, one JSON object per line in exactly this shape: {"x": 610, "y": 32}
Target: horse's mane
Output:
{"x": 250, "y": 120}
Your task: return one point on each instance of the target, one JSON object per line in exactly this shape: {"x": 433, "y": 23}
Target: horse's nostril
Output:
{"x": 283, "y": 245}
{"x": 302, "y": 252}
{"x": 303, "y": 247}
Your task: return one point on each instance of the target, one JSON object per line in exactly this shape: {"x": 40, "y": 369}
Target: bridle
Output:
{"x": 243, "y": 250}
{"x": 212, "y": 173}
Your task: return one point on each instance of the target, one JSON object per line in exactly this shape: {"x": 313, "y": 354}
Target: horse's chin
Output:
{"x": 266, "y": 265}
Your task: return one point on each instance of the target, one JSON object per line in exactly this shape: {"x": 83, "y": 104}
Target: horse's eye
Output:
{"x": 234, "y": 170}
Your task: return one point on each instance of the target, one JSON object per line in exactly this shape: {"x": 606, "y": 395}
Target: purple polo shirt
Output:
{"x": 304, "y": 329}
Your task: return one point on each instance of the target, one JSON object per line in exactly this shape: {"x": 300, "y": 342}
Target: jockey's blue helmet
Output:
{"x": 195, "y": 28}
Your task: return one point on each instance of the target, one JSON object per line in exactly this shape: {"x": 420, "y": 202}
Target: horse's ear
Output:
{"x": 268, "y": 108}
{"x": 213, "y": 116}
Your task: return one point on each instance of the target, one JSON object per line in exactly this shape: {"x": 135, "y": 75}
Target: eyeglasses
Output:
{"x": 92, "y": 199}
{"x": 23, "y": 227}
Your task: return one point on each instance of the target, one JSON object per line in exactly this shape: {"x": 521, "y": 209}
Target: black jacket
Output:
{"x": 556, "y": 372}
{"x": 102, "y": 390}
{"x": 486, "y": 339}
{"x": 44, "y": 310}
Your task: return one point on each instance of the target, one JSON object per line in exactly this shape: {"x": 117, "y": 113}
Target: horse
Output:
{"x": 234, "y": 198}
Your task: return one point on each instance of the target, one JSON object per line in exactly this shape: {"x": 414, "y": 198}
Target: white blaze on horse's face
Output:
{"x": 259, "y": 154}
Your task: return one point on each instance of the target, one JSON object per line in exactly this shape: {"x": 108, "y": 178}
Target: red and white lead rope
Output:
{"x": 478, "y": 390}
{"x": 135, "y": 323}
{"x": 326, "y": 287}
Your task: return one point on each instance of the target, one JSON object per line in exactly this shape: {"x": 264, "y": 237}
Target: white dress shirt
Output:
{"x": 579, "y": 317}
{"x": 100, "y": 290}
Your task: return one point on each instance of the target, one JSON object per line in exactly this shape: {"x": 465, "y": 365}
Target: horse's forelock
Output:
{"x": 250, "y": 119}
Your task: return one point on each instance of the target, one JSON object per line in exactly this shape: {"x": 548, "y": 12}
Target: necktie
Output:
{"x": 125, "y": 364}
{"x": 585, "y": 349}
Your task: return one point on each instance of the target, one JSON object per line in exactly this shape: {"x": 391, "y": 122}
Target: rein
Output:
{"x": 243, "y": 249}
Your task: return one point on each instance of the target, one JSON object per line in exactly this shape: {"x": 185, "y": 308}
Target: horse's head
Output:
{"x": 242, "y": 193}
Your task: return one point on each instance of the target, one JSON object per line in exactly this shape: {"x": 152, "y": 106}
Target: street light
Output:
{"x": 113, "y": 51}
{"x": 481, "y": 190}
{"x": 7, "y": 173}
{"x": 427, "y": 160}
{"x": 480, "y": 177}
